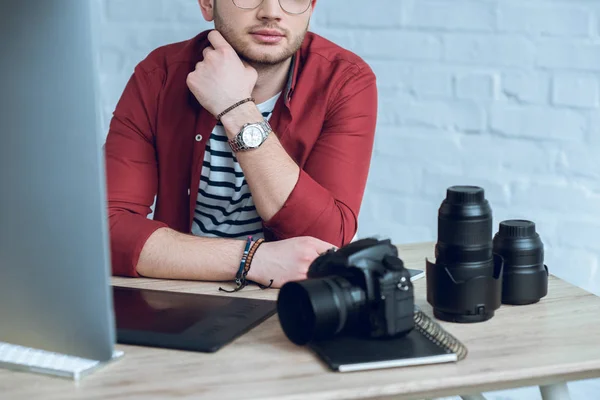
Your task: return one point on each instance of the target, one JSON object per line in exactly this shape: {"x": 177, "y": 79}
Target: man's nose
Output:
{"x": 270, "y": 9}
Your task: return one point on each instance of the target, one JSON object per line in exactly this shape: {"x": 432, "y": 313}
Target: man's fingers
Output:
{"x": 321, "y": 246}
{"x": 217, "y": 40}
{"x": 206, "y": 51}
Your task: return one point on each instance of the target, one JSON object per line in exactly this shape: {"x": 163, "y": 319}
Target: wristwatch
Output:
{"x": 251, "y": 136}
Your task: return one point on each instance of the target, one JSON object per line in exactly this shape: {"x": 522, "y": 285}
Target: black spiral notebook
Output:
{"x": 427, "y": 343}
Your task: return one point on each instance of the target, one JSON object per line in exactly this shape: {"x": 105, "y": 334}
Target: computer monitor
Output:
{"x": 54, "y": 259}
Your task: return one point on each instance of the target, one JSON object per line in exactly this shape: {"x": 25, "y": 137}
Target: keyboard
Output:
{"x": 45, "y": 362}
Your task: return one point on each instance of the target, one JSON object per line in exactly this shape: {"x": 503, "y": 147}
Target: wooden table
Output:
{"x": 556, "y": 340}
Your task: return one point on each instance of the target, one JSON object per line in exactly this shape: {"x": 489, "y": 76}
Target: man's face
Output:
{"x": 265, "y": 35}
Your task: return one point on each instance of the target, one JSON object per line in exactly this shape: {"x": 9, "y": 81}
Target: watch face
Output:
{"x": 252, "y": 136}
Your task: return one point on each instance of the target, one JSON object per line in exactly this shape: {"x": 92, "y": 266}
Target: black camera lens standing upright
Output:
{"x": 465, "y": 283}
{"x": 525, "y": 276}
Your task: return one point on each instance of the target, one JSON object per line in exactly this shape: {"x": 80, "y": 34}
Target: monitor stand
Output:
{"x": 28, "y": 359}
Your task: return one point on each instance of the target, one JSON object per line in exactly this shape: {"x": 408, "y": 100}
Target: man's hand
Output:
{"x": 285, "y": 260}
{"x": 221, "y": 79}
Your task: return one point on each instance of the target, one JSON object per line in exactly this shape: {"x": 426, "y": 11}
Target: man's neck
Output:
{"x": 271, "y": 80}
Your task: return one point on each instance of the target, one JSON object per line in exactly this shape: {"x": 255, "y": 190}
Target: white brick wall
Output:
{"x": 499, "y": 93}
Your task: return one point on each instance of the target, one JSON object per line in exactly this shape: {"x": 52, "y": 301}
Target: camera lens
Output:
{"x": 461, "y": 285}
{"x": 318, "y": 308}
{"x": 525, "y": 277}
{"x": 465, "y": 229}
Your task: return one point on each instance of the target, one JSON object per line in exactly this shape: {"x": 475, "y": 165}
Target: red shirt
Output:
{"x": 325, "y": 119}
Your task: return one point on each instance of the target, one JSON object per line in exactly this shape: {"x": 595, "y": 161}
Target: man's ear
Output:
{"x": 208, "y": 9}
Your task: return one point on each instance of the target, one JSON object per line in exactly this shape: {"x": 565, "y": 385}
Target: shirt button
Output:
{"x": 189, "y": 192}
{"x": 198, "y": 138}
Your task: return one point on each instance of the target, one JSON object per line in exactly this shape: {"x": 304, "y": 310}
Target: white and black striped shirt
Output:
{"x": 224, "y": 206}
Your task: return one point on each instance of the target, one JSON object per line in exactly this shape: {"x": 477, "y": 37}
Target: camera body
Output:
{"x": 361, "y": 289}
{"x": 370, "y": 272}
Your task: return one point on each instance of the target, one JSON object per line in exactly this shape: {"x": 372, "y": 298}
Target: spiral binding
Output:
{"x": 434, "y": 332}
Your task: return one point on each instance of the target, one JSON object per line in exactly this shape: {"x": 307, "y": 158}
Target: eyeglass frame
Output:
{"x": 279, "y": 1}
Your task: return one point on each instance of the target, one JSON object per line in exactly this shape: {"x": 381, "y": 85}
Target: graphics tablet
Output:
{"x": 185, "y": 321}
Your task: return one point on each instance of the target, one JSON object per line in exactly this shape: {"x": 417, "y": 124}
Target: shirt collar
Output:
{"x": 292, "y": 77}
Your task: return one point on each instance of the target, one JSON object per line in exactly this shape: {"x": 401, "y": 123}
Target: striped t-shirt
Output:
{"x": 224, "y": 206}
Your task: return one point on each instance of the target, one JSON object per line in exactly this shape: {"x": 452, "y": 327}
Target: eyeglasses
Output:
{"x": 289, "y": 6}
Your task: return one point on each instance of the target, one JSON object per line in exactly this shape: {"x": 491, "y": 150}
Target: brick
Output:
{"x": 423, "y": 83}
{"x": 580, "y": 161}
{"x": 128, "y": 11}
{"x": 593, "y": 138}
{"x": 184, "y": 11}
{"x": 419, "y": 146}
{"x": 571, "y": 55}
{"x": 536, "y": 122}
{"x": 113, "y": 84}
{"x": 398, "y": 45}
{"x": 456, "y": 15}
{"x": 341, "y": 37}
{"x": 392, "y": 74}
{"x": 580, "y": 233}
{"x": 413, "y": 234}
{"x": 436, "y": 181}
{"x": 497, "y": 51}
{"x": 555, "y": 20}
{"x": 389, "y": 106}
{"x": 397, "y": 233}
{"x": 111, "y": 61}
{"x": 393, "y": 175}
{"x": 556, "y": 195}
{"x": 353, "y": 14}
{"x": 576, "y": 266}
{"x": 389, "y": 208}
{"x": 476, "y": 86}
{"x": 531, "y": 87}
{"x": 431, "y": 84}
{"x": 423, "y": 212}
{"x": 493, "y": 153}
{"x": 575, "y": 90}
{"x": 446, "y": 115}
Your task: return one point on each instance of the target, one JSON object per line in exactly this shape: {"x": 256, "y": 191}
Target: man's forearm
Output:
{"x": 270, "y": 172}
{"x": 168, "y": 254}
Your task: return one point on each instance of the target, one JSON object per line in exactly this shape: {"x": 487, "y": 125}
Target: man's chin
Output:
{"x": 273, "y": 57}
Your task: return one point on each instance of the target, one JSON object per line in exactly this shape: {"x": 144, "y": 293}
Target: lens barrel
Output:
{"x": 320, "y": 308}
{"x": 464, "y": 284}
{"x": 525, "y": 277}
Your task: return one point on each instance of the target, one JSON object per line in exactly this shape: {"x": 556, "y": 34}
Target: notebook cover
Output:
{"x": 347, "y": 354}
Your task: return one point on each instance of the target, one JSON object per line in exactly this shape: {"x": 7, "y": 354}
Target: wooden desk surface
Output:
{"x": 552, "y": 341}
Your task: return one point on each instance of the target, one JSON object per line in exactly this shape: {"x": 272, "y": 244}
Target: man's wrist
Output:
{"x": 234, "y": 120}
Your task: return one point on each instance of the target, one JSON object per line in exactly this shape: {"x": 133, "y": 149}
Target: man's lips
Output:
{"x": 267, "y": 32}
{"x": 268, "y": 35}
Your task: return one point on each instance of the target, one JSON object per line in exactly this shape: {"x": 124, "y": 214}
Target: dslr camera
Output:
{"x": 361, "y": 289}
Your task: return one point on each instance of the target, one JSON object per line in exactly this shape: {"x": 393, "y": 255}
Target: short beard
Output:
{"x": 264, "y": 60}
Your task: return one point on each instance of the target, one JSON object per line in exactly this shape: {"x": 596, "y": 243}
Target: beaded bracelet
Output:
{"x": 245, "y": 265}
{"x": 239, "y": 103}
{"x": 251, "y": 256}
{"x": 240, "y": 278}
{"x": 249, "y": 262}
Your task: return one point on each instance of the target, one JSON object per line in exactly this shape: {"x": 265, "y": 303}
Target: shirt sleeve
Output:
{"x": 326, "y": 200}
{"x": 131, "y": 170}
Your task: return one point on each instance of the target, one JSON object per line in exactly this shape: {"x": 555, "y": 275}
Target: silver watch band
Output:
{"x": 237, "y": 143}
